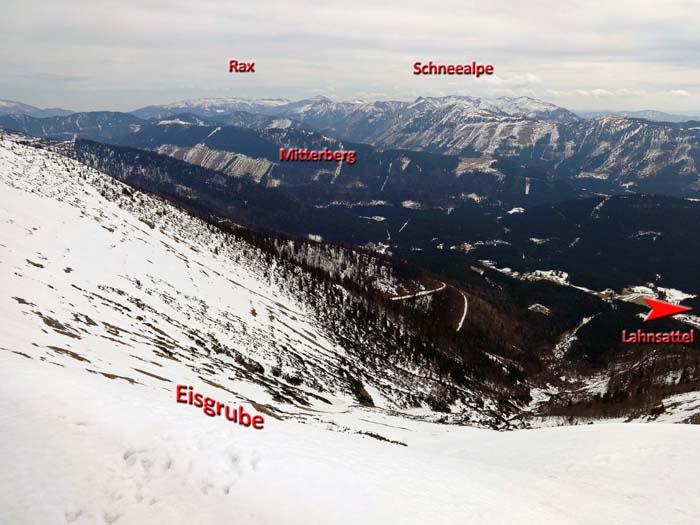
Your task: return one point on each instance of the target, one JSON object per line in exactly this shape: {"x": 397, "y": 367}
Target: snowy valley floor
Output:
{"x": 78, "y": 449}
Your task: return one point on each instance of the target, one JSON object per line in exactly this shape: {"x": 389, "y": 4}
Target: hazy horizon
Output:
{"x": 585, "y": 56}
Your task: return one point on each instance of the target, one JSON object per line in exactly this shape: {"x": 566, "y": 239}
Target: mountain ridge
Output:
{"x": 8, "y": 107}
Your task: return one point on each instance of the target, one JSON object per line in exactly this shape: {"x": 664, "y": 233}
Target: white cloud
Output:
{"x": 594, "y": 92}
{"x": 520, "y": 80}
{"x": 604, "y": 93}
{"x": 679, "y": 93}
{"x": 630, "y": 92}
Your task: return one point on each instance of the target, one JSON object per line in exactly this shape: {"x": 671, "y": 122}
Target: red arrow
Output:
{"x": 661, "y": 309}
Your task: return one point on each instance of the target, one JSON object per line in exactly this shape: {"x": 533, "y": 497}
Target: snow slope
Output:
{"x": 79, "y": 449}
{"x": 110, "y": 298}
{"x": 143, "y": 286}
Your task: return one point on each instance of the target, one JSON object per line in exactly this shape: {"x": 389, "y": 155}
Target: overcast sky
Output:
{"x": 120, "y": 55}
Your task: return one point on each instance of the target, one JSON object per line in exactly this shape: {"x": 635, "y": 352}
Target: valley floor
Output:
{"x": 77, "y": 448}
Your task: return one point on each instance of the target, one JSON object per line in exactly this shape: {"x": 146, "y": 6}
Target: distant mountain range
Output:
{"x": 316, "y": 110}
{"x": 322, "y": 108}
{"x": 252, "y": 153}
{"x": 9, "y": 107}
{"x": 604, "y": 153}
{"x": 211, "y": 107}
{"x": 648, "y": 114}
{"x": 380, "y": 122}
{"x": 504, "y": 141}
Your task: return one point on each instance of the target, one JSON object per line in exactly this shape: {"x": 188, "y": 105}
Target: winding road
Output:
{"x": 434, "y": 290}
{"x": 464, "y": 314}
{"x": 419, "y": 294}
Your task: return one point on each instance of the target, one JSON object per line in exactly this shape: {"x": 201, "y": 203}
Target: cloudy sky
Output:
{"x": 120, "y": 55}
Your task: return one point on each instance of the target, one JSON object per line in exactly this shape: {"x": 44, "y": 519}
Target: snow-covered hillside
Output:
{"x": 124, "y": 285}
{"x": 138, "y": 292}
{"x": 110, "y": 298}
{"x": 80, "y": 449}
